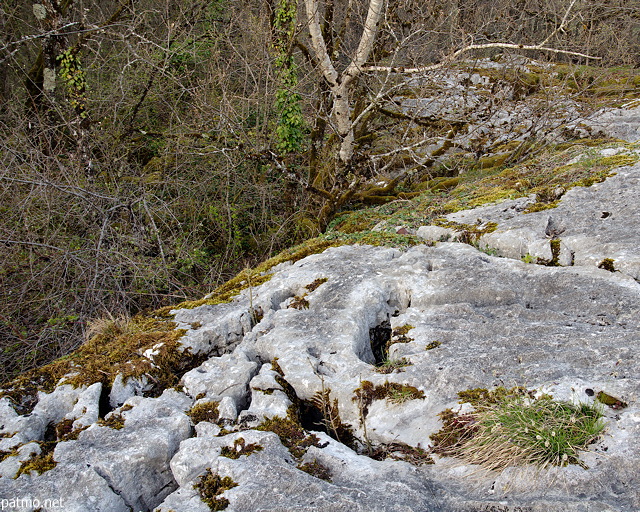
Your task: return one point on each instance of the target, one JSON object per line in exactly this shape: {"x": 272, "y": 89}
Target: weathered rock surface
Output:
{"x": 563, "y": 330}
{"x": 592, "y": 223}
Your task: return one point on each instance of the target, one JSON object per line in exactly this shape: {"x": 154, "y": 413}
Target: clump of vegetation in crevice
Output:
{"x": 316, "y": 469}
{"x": 6, "y": 454}
{"x": 291, "y": 433}
{"x": 204, "y": 411}
{"x": 512, "y": 427}
{"x": 554, "y": 244}
{"x": 607, "y": 264}
{"x": 115, "y": 421}
{"x": 240, "y": 448}
{"x": 284, "y": 383}
{"x": 392, "y": 365}
{"x": 41, "y": 462}
{"x": 116, "y": 347}
{"x": 399, "y": 334}
{"x": 315, "y": 284}
{"x": 210, "y": 487}
{"x": 400, "y": 451}
{"x": 329, "y": 418}
{"x": 390, "y": 391}
{"x": 380, "y": 339}
{"x": 66, "y": 432}
{"x": 299, "y": 302}
{"x": 467, "y": 233}
{"x": 433, "y": 344}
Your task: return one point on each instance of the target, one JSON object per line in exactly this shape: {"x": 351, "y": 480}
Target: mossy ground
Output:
{"x": 115, "y": 350}
{"x": 477, "y": 183}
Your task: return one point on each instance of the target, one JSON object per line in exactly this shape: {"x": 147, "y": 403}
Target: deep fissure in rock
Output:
{"x": 104, "y": 403}
{"x": 379, "y": 337}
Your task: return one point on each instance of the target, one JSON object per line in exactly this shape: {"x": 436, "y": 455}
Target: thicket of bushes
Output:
{"x": 146, "y": 169}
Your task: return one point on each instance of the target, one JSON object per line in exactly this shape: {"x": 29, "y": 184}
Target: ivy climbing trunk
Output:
{"x": 290, "y": 128}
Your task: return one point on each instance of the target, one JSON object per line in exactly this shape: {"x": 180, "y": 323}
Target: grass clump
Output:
{"x": 392, "y": 365}
{"x": 211, "y": 486}
{"x": 510, "y": 428}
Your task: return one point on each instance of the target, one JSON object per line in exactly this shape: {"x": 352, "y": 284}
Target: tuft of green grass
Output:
{"x": 392, "y": 365}
{"x": 518, "y": 430}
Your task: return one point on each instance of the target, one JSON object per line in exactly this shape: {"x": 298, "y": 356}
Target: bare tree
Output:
{"x": 380, "y": 37}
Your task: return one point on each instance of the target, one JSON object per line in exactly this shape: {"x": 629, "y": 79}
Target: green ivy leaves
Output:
{"x": 71, "y": 72}
{"x": 290, "y": 127}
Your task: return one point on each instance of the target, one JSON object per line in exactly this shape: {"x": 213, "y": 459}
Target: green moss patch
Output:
{"x": 115, "y": 421}
{"x": 211, "y": 486}
{"x": 393, "y": 392}
{"x": 291, "y": 434}
{"x": 315, "y": 284}
{"x": 239, "y": 449}
{"x": 610, "y": 401}
{"x": 204, "y": 411}
{"x": 607, "y": 264}
{"x": 299, "y": 302}
{"x": 115, "y": 349}
{"x": 41, "y": 462}
{"x": 400, "y": 451}
{"x": 316, "y": 469}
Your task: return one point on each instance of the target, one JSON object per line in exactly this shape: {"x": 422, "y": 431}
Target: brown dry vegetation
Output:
{"x": 148, "y": 171}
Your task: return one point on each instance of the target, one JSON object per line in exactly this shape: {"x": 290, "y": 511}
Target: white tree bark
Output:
{"x": 340, "y": 84}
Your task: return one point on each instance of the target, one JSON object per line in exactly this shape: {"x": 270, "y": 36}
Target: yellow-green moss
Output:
{"x": 108, "y": 353}
{"x": 115, "y": 421}
{"x": 299, "y": 302}
{"x": 607, "y": 264}
{"x": 291, "y": 433}
{"x": 315, "y": 284}
{"x": 467, "y": 233}
{"x": 611, "y": 401}
{"x": 433, "y": 344}
{"x": 399, "y": 335}
{"x": 41, "y": 462}
{"x": 6, "y": 454}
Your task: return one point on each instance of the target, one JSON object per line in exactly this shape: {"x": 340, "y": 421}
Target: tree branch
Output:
{"x": 450, "y": 58}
